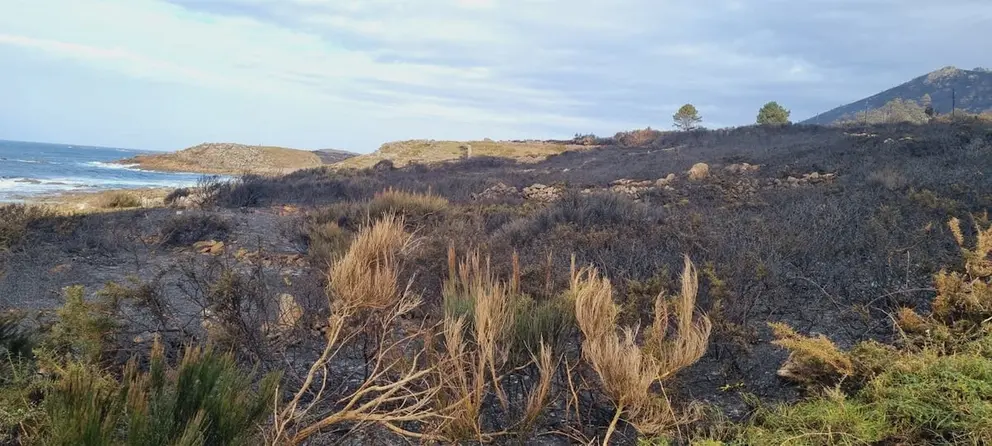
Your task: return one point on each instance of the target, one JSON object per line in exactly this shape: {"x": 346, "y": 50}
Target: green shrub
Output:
{"x": 83, "y": 407}
{"x": 20, "y": 411}
{"x": 83, "y": 330}
{"x": 205, "y": 398}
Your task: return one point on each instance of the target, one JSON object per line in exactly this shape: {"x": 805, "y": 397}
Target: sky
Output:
{"x": 353, "y": 74}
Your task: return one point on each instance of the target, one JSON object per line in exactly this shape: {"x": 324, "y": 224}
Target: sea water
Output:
{"x": 30, "y": 169}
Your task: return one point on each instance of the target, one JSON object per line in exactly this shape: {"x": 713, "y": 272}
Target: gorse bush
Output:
{"x": 203, "y": 398}
{"x": 203, "y": 401}
{"x": 83, "y": 330}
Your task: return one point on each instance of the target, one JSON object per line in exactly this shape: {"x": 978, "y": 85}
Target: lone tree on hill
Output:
{"x": 773, "y": 114}
{"x": 687, "y": 118}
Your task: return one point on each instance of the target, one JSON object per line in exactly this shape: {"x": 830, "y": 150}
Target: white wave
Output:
{"x": 26, "y": 161}
{"x": 103, "y": 165}
{"x": 32, "y": 185}
{"x": 134, "y": 168}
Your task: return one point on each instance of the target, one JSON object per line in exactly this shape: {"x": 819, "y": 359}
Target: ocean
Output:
{"x": 30, "y": 169}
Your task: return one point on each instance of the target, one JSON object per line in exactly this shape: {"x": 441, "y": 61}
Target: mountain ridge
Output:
{"x": 967, "y": 90}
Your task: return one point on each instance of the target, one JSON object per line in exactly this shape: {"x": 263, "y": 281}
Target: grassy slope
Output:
{"x": 229, "y": 159}
{"x": 427, "y": 152}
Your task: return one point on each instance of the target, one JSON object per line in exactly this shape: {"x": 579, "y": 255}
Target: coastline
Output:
{"x": 102, "y": 200}
{"x": 152, "y": 163}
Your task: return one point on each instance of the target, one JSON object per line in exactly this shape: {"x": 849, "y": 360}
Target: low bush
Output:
{"x": 184, "y": 230}
{"x": 176, "y": 195}
{"x": 15, "y": 220}
{"x": 118, "y": 200}
{"x": 326, "y": 242}
{"x": 83, "y": 330}
{"x": 202, "y": 401}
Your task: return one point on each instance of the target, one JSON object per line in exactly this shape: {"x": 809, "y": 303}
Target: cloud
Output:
{"x": 519, "y": 67}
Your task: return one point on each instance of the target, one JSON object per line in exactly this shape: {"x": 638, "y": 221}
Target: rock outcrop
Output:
{"x": 543, "y": 193}
{"x": 496, "y": 192}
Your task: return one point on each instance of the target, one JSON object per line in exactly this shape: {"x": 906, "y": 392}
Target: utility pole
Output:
{"x": 866, "y": 113}
{"x": 954, "y": 102}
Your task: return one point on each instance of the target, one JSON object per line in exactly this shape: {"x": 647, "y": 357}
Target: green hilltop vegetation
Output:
{"x": 970, "y": 91}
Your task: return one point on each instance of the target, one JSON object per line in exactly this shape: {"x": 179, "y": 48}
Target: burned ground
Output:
{"x": 835, "y": 256}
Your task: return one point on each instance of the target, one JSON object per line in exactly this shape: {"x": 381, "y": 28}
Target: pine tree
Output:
{"x": 687, "y": 118}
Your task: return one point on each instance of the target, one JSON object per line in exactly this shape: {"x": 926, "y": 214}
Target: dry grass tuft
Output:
{"x": 678, "y": 350}
{"x": 595, "y": 311}
{"x": 628, "y": 371}
{"x": 410, "y": 204}
{"x": 366, "y": 277}
{"x": 537, "y": 399}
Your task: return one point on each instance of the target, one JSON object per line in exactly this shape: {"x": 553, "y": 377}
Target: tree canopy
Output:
{"x": 773, "y": 114}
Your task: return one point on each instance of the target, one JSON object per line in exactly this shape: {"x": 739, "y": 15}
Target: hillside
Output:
{"x": 402, "y": 153}
{"x": 331, "y": 156}
{"x": 229, "y": 158}
{"x": 973, "y": 90}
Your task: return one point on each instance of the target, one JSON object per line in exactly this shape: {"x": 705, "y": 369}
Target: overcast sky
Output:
{"x": 352, "y": 74}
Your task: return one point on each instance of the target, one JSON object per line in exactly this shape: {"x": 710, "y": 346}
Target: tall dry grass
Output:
{"x": 628, "y": 371}
{"x": 477, "y": 328}
{"x": 678, "y": 349}
{"x": 367, "y": 275}
{"x": 397, "y": 389}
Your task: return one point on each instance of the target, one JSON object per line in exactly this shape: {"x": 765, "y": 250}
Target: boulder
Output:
{"x": 699, "y": 171}
{"x": 668, "y": 180}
